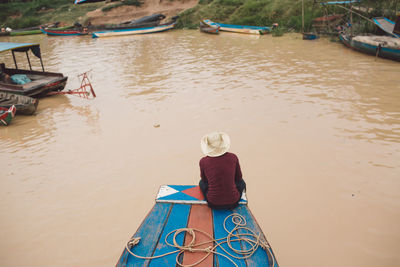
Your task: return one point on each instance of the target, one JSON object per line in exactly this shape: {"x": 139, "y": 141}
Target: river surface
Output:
{"x": 316, "y": 127}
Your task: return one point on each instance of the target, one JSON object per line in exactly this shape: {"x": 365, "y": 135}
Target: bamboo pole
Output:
{"x": 302, "y": 16}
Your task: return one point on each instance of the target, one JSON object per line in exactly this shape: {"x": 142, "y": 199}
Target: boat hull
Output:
{"x": 25, "y": 105}
{"x": 208, "y": 29}
{"x": 180, "y": 207}
{"x": 239, "y": 28}
{"x": 6, "y": 115}
{"x": 384, "y": 52}
{"x": 310, "y": 36}
{"x": 121, "y": 32}
{"x": 63, "y": 32}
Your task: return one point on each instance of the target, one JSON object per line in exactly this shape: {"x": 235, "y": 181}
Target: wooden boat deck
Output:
{"x": 184, "y": 207}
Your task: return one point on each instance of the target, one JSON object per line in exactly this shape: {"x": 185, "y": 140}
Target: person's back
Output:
{"x": 221, "y": 178}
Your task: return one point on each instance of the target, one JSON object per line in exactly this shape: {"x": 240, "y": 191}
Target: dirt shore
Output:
{"x": 125, "y": 13}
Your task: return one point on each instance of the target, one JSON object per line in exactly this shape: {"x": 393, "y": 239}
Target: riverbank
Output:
{"x": 246, "y": 12}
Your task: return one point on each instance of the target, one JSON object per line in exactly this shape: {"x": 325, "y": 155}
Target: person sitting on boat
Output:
{"x": 221, "y": 177}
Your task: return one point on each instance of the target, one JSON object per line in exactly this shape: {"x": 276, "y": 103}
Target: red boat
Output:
{"x": 6, "y": 115}
{"x": 64, "y": 32}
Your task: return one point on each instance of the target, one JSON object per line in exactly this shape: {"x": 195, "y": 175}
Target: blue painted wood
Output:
{"x": 219, "y": 232}
{"x": 149, "y": 231}
{"x": 178, "y": 218}
{"x": 260, "y": 257}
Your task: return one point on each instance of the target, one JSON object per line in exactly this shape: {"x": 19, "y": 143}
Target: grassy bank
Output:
{"x": 285, "y": 12}
{"x": 19, "y": 14}
{"x": 27, "y": 14}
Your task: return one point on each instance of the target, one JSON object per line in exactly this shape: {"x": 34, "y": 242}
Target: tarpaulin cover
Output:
{"x": 21, "y": 47}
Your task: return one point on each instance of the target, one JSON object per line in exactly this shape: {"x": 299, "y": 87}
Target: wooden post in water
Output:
{"x": 351, "y": 20}
{"x": 302, "y": 16}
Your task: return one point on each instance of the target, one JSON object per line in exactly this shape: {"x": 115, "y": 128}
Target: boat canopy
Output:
{"x": 386, "y": 25}
{"x": 340, "y": 2}
{"x": 21, "y": 47}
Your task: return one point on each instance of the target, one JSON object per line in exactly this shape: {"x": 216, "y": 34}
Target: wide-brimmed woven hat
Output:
{"x": 215, "y": 144}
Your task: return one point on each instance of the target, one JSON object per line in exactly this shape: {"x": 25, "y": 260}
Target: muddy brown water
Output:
{"x": 316, "y": 127}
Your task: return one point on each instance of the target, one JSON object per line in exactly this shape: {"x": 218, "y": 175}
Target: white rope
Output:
{"x": 247, "y": 236}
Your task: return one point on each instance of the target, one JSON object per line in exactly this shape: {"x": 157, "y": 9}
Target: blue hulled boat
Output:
{"x": 238, "y": 28}
{"x": 129, "y": 31}
{"x": 182, "y": 230}
{"x": 380, "y": 46}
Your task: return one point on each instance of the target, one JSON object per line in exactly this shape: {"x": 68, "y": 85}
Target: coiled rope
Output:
{"x": 247, "y": 236}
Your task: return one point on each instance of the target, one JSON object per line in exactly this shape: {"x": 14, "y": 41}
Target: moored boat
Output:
{"x": 130, "y": 31}
{"x": 208, "y": 28}
{"x": 6, "y": 115}
{"x": 309, "y": 36}
{"x": 239, "y": 28}
{"x": 380, "y": 46}
{"x": 182, "y": 230}
{"x": 34, "y": 83}
{"x": 25, "y": 105}
{"x": 55, "y": 32}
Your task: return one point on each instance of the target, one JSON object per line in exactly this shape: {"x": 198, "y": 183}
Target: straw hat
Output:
{"x": 215, "y": 144}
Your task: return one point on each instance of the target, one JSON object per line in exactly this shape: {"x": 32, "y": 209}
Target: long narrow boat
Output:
{"x": 55, "y": 32}
{"x": 182, "y": 230}
{"x": 119, "y": 32}
{"x": 40, "y": 82}
{"x": 208, "y": 28}
{"x": 25, "y": 105}
{"x": 36, "y": 30}
{"x": 6, "y": 115}
{"x": 382, "y": 46}
{"x": 239, "y": 28}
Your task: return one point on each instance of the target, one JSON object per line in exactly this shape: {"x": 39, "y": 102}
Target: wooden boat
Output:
{"x": 238, "y": 28}
{"x": 382, "y": 46}
{"x": 55, "y": 32}
{"x": 41, "y": 82}
{"x": 129, "y": 31}
{"x": 208, "y": 28}
{"x": 25, "y": 105}
{"x": 309, "y": 36}
{"x": 306, "y": 35}
{"x": 77, "y": 2}
{"x": 182, "y": 229}
{"x": 36, "y": 30}
{"x": 6, "y": 115}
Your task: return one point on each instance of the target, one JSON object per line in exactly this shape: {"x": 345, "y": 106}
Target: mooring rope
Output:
{"x": 247, "y": 236}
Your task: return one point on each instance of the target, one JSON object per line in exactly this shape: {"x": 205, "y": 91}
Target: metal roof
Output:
{"x": 5, "y": 46}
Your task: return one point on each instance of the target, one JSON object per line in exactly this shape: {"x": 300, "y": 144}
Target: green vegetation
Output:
{"x": 22, "y": 14}
{"x": 287, "y": 13}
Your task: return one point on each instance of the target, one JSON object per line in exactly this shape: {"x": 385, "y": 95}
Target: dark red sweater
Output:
{"x": 221, "y": 173}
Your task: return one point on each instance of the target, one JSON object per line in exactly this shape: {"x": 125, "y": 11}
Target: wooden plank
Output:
{"x": 219, "y": 232}
{"x": 260, "y": 257}
{"x": 149, "y": 231}
{"x": 177, "y": 219}
{"x": 200, "y": 218}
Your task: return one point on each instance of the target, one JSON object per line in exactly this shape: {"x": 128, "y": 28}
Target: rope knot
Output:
{"x": 133, "y": 241}
{"x": 264, "y": 245}
{"x": 209, "y": 249}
